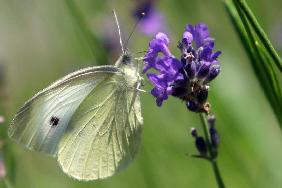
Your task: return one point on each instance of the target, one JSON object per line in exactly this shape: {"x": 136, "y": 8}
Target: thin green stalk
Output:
{"x": 260, "y": 32}
{"x": 275, "y": 81}
{"x": 260, "y": 66}
{"x": 213, "y": 162}
{"x": 252, "y": 43}
{"x": 95, "y": 46}
{"x": 260, "y": 59}
{"x": 217, "y": 174}
{"x": 274, "y": 84}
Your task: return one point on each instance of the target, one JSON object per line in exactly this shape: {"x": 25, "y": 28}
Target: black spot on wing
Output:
{"x": 54, "y": 121}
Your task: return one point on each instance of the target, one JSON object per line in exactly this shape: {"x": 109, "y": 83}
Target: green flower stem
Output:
{"x": 213, "y": 161}
{"x": 95, "y": 46}
{"x": 261, "y": 34}
{"x": 217, "y": 175}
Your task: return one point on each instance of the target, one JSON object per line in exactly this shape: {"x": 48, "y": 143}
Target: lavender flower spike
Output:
{"x": 153, "y": 21}
{"x": 188, "y": 77}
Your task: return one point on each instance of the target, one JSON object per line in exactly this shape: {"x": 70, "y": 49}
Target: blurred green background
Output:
{"x": 40, "y": 42}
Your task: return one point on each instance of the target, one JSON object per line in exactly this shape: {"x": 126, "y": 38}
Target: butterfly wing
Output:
{"x": 41, "y": 122}
{"x": 104, "y": 132}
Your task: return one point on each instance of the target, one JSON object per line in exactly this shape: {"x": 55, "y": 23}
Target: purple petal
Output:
{"x": 158, "y": 80}
{"x": 150, "y": 60}
{"x": 160, "y": 44}
{"x": 200, "y": 34}
{"x": 179, "y": 76}
{"x": 203, "y": 70}
{"x": 162, "y": 64}
{"x": 160, "y": 95}
{"x": 168, "y": 65}
{"x": 213, "y": 72}
{"x": 206, "y": 53}
{"x": 191, "y": 69}
{"x": 160, "y": 100}
{"x": 208, "y": 41}
{"x": 147, "y": 66}
{"x": 190, "y": 28}
{"x": 162, "y": 38}
{"x": 215, "y": 55}
{"x": 175, "y": 64}
{"x": 187, "y": 38}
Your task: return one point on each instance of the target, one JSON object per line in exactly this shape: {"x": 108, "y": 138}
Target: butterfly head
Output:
{"x": 124, "y": 60}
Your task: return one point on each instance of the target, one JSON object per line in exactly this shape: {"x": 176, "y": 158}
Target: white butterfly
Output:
{"x": 90, "y": 120}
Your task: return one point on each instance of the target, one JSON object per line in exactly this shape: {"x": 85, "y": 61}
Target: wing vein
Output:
{"x": 94, "y": 137}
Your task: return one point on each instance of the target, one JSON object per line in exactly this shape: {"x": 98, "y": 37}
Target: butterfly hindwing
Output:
{"x": 104, "y": 133}
{"x": 41, "y": 122}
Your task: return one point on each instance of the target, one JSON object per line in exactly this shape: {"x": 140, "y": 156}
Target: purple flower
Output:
{"x": 187, "y": 38}
{"x": 153, "y": 21}
{"x": 207, "y": 55}
{"x": 200, "y": 34}
{"x": 168, "y": 68}
{"x": 160, "y": 44}
{"x": 187, "y": 77}
{"x": 162, "y": 87}
{"x": 156, "y": 45}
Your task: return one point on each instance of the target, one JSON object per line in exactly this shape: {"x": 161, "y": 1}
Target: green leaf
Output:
{"x": 260, "y": 51}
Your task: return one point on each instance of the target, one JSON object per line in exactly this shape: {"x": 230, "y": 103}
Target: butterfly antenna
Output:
{"x": 134, "y": 27}
{"x": 119, "y": 33}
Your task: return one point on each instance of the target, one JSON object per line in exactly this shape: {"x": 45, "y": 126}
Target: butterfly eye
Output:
{"x": 126, "y": 59}
{"x": 54, "y": 121}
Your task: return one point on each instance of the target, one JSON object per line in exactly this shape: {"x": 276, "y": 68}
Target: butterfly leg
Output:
{"x": 139, "y": 86}
{"x": 139, "y": 58}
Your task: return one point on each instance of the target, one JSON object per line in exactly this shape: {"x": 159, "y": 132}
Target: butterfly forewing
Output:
{"x": 104, "y": 133}
{"x": 41, "y": 122}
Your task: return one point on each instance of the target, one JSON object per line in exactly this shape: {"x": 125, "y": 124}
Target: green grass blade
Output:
{"x": 260, "y": 32}
{"x": 261, "y": 60}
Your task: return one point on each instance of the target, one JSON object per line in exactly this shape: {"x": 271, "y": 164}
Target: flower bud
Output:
{"x": 203, "y": 70}
{"x": 213, "y": 72}
{"x": 211, "y": 120}
{"x": 192, "y": 106}
{"x": 214, "y": 137}
{"x": 194, "y": 132}
{"x": 191, "y": 69}
{"x": 201, "y": 145}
